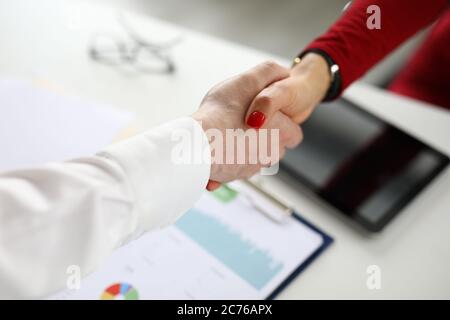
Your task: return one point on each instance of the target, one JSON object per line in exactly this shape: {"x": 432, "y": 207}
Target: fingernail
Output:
{"x": 212, "y": 185}
{"x": 256, "y": 119}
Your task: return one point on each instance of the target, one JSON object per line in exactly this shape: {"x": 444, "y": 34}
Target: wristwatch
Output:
{"x": 333, "y": 67}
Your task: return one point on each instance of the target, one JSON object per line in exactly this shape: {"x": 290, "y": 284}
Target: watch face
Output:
{"x": 296, "y": 61}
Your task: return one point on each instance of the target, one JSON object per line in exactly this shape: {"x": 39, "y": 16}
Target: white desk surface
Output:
{"x": 49, "y": 40}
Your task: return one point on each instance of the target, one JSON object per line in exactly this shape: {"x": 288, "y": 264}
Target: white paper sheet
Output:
{"x": 38, "y": 125}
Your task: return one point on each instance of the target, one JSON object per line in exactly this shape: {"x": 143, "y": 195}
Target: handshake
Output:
{"x": 251, "y": 119}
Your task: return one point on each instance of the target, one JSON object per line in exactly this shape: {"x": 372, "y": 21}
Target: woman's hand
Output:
{"x": 296, "y": 96}
{"x": 223, "y": 110}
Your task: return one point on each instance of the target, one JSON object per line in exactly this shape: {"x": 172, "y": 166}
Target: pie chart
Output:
{"x": 120, "y": 291}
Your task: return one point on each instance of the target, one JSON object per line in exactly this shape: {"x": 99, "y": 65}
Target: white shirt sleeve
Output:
{"x": 78, "y": 212}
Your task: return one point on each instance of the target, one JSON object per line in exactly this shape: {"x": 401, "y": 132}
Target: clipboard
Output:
{"x": 327, "y": 241}
{"x": 285, "y": 211}
{"x": 222, "y": 248}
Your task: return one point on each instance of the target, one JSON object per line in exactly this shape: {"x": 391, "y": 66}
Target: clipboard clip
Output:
{"x": 267, "y": 204}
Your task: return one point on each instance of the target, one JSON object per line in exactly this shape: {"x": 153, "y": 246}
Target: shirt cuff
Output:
{"x": 168, "y": 168}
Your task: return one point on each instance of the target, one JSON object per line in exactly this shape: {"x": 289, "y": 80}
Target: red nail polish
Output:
{"x": 212, "y": 185}
{"x": 256, "y": 119}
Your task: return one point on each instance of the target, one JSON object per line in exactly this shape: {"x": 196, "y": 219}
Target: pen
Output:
{"x": 277, "y": 210}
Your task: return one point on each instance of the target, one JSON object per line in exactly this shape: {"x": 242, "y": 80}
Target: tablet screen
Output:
{"x": 360, "y": 164}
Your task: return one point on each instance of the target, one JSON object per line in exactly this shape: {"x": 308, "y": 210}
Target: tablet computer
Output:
{"x": 359, "y": 164}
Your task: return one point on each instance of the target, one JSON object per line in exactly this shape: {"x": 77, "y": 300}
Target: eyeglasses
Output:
{"x": 135, "y": 51}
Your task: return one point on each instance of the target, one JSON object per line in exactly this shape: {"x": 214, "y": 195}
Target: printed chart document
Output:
{"x": 223, "y": 248}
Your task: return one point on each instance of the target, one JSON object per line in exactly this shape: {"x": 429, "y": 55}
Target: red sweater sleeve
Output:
{"x": 356, "y": 48}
